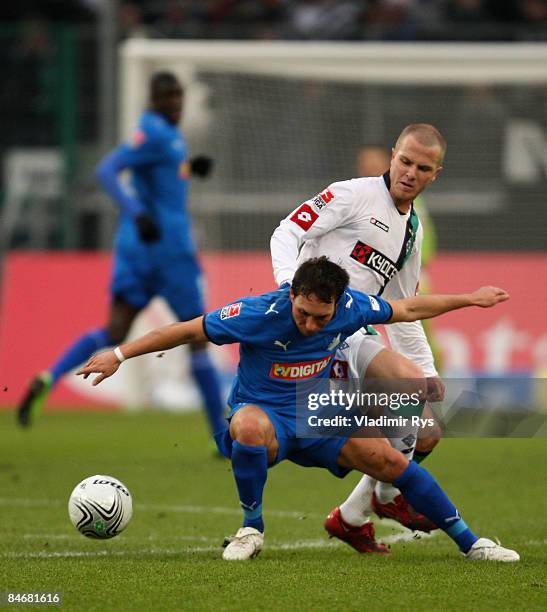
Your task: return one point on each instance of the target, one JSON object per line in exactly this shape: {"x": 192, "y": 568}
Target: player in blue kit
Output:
{"x": 154, "y": 252}
{"x": 291, "y": 335}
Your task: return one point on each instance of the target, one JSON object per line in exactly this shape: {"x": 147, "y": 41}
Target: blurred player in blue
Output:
{"x": 154, "y": 253}
{"x": 291, "y": 335}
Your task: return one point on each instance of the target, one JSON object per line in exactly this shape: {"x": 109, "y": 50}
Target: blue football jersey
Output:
{"x": 274, "y": 355}
{"x": 157, "y": 156}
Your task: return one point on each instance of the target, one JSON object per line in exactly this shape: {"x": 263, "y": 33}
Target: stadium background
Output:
{"x": 276, "y": 140}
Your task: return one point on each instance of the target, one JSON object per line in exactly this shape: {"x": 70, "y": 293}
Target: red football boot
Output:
{"x": 361, "y": 538}
{"x": 401, "y": 511}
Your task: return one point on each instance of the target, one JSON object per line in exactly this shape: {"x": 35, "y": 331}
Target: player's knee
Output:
{"x": 408, "y": 370}
{"x": 250, "y": 427}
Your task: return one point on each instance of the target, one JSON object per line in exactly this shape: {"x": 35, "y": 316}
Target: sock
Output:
{"x": 80, "y": 352}
{"x": 419, "y": 456}
{"x": 356, "y": 509}
{"x": 250, "y": 467}
{"x": 385, "y": 491}
{"x": 424, "y": 494}
{"x": 207, "y": 379}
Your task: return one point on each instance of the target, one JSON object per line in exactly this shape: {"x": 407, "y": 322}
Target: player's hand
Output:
{"x": 201, "y": 165}
{"x": 435, "y": 389}
{"x": 485, "y": 297}
{"x": 105, "y": 364}
{"x": 148, "y": 230}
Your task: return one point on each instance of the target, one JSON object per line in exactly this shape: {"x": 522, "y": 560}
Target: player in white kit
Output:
{"x": 368, "y": 226}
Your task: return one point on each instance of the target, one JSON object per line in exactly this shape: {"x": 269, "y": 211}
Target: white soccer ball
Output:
{"x": 100, "y": 507}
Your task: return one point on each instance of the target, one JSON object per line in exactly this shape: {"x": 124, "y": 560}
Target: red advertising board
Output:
{"x": 50, "y": 299}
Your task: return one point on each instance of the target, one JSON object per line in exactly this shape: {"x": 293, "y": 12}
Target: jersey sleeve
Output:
{"x": 329, "y": 209}
{"x": 370, "y": 309}
{"x": 409, "y": 339}
{"x": 235, "y": 322}
{"x": 144, "y": 148}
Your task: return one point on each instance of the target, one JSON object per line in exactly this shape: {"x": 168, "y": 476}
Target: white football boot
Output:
{"x": 486, "y": 550}
{"x": 246, "y": 544}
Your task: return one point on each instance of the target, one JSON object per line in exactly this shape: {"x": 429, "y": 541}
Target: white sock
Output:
{"x": 386, "y": 492}
{"x": 357, "y": 508}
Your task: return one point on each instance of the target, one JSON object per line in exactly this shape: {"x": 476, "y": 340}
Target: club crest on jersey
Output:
{"x": 232, "y": 310}
{"x": 379, "y": 224}
{"x": 305, "y": 217}
{"x": 339, "y": 369}
{"x": 373, "y": 259}
{"x": 300, "y": 370}
{"x": 137, "y": 139}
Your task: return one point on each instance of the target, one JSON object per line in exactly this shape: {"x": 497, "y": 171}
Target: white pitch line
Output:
{"x": 150, "y": 538}
{"x": 407, "y": 536}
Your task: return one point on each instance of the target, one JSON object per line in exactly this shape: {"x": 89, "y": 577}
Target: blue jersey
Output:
{"x": 157, "y": 157}
{"x": 274, "y": 355}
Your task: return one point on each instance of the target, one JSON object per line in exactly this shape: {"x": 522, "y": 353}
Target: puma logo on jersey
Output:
{"x": 350, "y": 300}
{"x": 373, "y": 259}
{"x": 335, "y": 342}
{"x": 271, "y": 309}
{"x": 283, "y": 346}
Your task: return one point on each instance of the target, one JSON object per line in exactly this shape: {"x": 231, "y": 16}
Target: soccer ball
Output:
{"x": 100, "y": 507}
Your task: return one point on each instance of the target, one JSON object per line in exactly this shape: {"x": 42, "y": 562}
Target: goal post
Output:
{"x": 285, "y": 119}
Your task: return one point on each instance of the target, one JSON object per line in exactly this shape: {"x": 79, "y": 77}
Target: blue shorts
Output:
{"x": 178, "y": 280}
{"x": 308, "y": 452}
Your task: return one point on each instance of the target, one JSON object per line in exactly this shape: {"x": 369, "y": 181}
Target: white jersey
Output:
{"x": 356, "y": 224}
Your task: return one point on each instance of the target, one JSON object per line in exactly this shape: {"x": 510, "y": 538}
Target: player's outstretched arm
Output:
{"x": 161, "y": 339}
{"x": 428, "y": 306}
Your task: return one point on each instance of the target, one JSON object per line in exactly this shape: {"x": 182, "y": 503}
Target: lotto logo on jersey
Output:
{"x": 232, "y": 310}
{"x": 339, "y": 369}
{"x": 321, "y": 200}
{"x": 369, "y": 257}
{"x": 379, "y": 224}
{"x": 305, "y": 217}
{"x": 299, "y": 371}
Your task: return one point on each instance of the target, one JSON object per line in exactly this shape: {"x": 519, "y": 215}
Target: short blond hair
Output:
{"x": 425, "y": 134}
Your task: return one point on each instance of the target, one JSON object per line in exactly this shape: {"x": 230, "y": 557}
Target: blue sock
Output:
{"x": 250, "y": 467}
{"x": 80, "y": 352}
{"x": 425, "y": 495}
{"x": 207, "y": 378}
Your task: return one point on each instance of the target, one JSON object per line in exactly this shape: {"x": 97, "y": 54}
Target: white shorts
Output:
{"x": 357, "y": 352}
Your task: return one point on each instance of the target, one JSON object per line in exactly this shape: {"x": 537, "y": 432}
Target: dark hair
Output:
{"x": 160, "y": 81}
{"x": 321, "y": 277}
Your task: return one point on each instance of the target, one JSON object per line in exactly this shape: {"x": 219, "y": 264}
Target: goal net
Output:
{"x": 283, "y": 120}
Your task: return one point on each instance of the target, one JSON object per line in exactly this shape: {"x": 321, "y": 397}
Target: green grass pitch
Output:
{"x": 169, "y": 558}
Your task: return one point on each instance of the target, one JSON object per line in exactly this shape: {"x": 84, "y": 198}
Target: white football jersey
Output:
{"x": 356, "y": 224}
